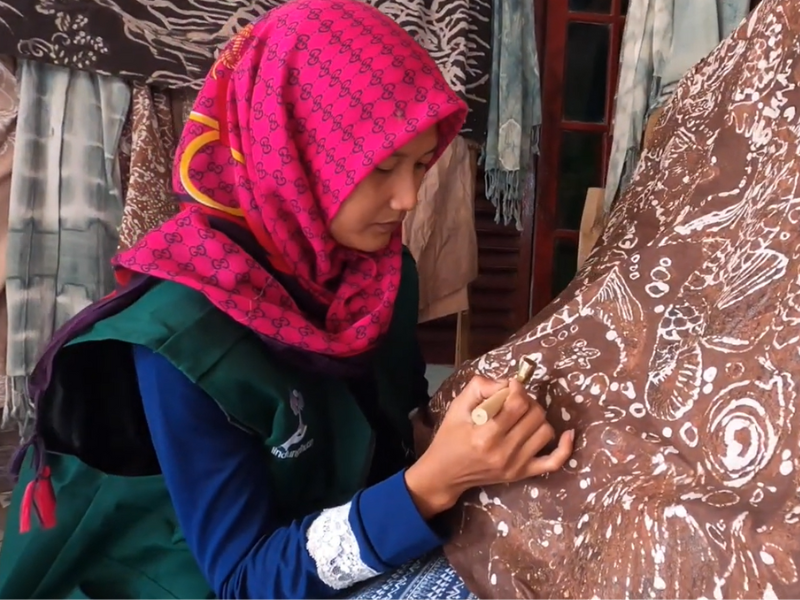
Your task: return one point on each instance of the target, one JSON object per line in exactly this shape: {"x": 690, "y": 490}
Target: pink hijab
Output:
{"x": 298, "y": 109}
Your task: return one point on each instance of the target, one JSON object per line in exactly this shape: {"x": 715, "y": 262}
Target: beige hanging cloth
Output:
{"x": 440, "y": 233}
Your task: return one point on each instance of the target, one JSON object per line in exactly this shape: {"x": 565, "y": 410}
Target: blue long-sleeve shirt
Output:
{"x": 221, "y": 493}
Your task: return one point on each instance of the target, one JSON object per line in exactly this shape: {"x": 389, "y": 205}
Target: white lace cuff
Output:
{"x": 332, "y": 544}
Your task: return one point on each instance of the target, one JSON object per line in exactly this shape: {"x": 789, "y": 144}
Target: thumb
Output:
{"x": 477, "y": 390}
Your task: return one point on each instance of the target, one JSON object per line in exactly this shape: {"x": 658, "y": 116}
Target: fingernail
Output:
{"x": 571, "y": 434}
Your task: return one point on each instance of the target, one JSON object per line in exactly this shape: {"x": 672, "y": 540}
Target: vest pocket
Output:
{"x": 113, "y": 579}
{"x": 118, "y": 581}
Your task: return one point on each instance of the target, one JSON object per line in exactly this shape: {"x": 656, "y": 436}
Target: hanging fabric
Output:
{"x": 731, "y": 13}
{"x": 440, "y": 232}
{"x": 9, "y": 104}
{"x": 698, "y": 26}
{"x": 645, "y": 48}
{"x": 515, "y": 109}
{"x": 65, "y": 209}
{"x": 149, "y": 200}
{"x": 173, "y": 43}
{"x": 663, "y": 40}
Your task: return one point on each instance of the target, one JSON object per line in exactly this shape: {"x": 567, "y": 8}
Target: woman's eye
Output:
{"x": 383, "y": 169}
{"x": 422, "y": 166}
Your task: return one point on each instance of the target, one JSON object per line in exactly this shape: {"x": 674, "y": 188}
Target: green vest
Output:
{"x": 118, "y": 537}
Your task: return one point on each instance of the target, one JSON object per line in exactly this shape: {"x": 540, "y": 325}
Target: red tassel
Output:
{"x": 44, "y": 497}
{"x": 40, "y": 497}
{"x": 25, "y": 509}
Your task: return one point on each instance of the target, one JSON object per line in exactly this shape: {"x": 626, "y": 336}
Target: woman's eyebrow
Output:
{"x": 401, "y": 154}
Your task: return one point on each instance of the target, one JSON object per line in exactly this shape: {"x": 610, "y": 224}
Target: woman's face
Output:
{"x": 376, "y": 207}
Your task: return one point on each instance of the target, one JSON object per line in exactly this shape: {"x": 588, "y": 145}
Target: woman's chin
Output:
{"x": 369, "y": 243}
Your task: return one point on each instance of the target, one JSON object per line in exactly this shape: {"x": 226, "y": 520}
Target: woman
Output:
{"x": 235, "y": 421}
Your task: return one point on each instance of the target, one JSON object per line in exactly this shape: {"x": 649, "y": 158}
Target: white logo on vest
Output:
{"x": 294, "y": 446}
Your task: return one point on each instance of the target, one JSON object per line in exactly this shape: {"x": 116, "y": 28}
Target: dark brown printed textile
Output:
{"x": 172, "y": 43}
{"x": 149, "y": 200}
{"x": 675, "y": 354}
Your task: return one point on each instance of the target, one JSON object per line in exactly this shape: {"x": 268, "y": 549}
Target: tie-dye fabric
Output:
{"x": 297, "y": 110}
{"x": 64, "y": 211}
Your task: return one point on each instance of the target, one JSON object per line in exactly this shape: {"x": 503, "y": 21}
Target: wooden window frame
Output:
{"x": 541, "y": 226}
{"x": 540, "y": 210}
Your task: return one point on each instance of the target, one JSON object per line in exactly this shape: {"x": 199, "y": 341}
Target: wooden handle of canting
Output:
{"x": 490, "y": 407}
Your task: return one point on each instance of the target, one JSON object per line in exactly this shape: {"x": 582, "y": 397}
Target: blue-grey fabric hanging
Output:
{"x": 515, "y": 109}
{"x": 663, "y": 40}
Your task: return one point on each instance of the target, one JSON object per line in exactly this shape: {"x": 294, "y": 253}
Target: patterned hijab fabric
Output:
{"x": 172, "y": 43}
{"x": 298, "y": 109}
{"x": 674, "y": 356}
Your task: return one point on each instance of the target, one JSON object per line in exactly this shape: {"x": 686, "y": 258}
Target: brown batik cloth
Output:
{"x": 149, "y": 200}
{"x": 675, "y": 354}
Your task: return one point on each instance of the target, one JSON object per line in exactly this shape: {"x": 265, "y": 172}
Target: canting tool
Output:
{"x": 491, "y": 406}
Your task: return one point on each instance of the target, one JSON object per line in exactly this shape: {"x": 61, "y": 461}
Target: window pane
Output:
{"x": 565, "y": 263}
{"x": 623, "y": 7}
{"x": 580, "y": 166}
{"x": 586, "y": 72}
{"x": 591, "y": 6}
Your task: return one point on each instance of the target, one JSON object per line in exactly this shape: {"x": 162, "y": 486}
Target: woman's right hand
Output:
{"x": 463, "y": 455}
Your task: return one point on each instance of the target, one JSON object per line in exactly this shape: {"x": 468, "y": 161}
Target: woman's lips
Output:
{"x": 387, "y": 227}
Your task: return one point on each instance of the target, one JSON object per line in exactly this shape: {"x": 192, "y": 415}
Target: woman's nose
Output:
{"x": 405, "y": 199}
